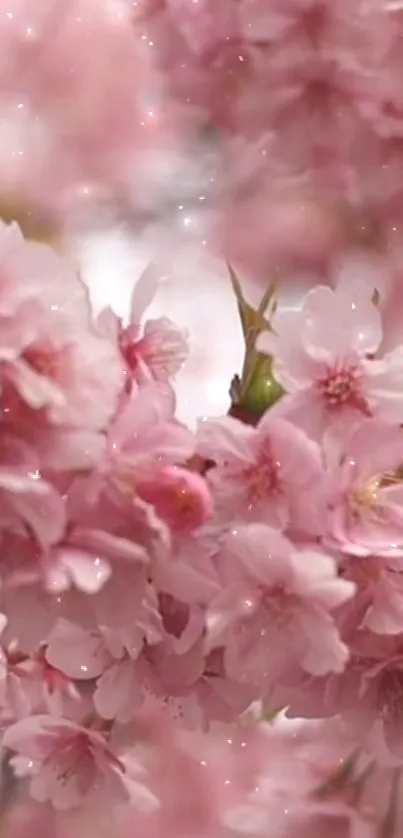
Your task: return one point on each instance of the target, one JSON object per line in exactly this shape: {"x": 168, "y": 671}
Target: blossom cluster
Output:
{"x": 162, "y": 589}
{"x": 248, "y": 73}
{"x": 80, "y": 109}
{"x": 305, "y": 99}
{"x": 201, "y": 630}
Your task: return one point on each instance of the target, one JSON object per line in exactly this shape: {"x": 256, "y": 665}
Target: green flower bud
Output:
{"x": 263, "y": 392}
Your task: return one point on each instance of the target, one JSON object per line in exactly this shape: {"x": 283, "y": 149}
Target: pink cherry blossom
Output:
{"x": 124, "y": 675}
{"x": 376, "y": 716}
{"x": 330, "y": 370}
{"x": 144, "y": 438}
{"x": 153, "y": 665}
{"x": 272, "y": 473}
{"x": 365, "y": 696}
{"x": 65, "y": 763}
{"x": 155, "y": 346}
{"x": 365, "y": 513}
{"x": 59, "y": 448}
{"x": 202, "y": 632}
{"x": 379, "y": 602}
{"x": 163, "y": 347}
{"x": 276, "y": 607}
{"x": 52, "y": 355}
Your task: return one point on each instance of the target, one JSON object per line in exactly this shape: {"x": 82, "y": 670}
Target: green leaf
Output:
{"x": 252, "y": 321}
{"x": 268, "y": 299}
{"x": 255, "y": 389}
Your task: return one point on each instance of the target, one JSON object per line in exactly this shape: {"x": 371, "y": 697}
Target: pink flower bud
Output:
{"x": 181, "y": 497}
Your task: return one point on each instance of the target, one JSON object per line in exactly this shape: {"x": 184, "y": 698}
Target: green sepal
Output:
{"x": 256, "y": 389}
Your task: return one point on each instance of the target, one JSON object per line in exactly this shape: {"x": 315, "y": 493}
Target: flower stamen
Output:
{"x": 261, "y": 478}
{"x": 341, "y": 387}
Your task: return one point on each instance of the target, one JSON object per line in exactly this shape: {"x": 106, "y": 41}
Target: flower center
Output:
{"x": 73, "y": 757}
{"x": 341, "y": 387}
{"x": 43, "y": 359}
{"x": 279, "y": 604}
{"x": 129, "y": 347}
{"x": 364, "y": 497}
{"x": 261, "y": 478}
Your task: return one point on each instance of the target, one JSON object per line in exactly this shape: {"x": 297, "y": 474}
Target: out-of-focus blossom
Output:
{"x": 65, "y": 763}
{"x": 74, "y": 134}
{"x": 177, "y": 607}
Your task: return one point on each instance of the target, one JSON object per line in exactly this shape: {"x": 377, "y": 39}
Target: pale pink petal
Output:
{"x": 108, "y": 323}
{"x": 65, "y": 449}
{"x": 373, "y": 448}
{"x": 307, "y": 410}
{"x": 143, "y": 294}
{"x": 89, "y": 573}
{"x": 385, "y": 614}
{"x": 107, "y": 545}
{"x": 322, "y": 650}
{"x": 37, "y": 503}
{"x": 151, "y": 405}
{"x": 264, "y": 552}
{"x": 233, "y": 604}
{"x": 316, "y": 576}
{"x": 46, "y": 787}
{"x": 164, "y": 348}
{"x": 78, "y": 653}
{"x": 218, "y": 439}
{"x": 36, "y": 736}
{"x": 118, "y": 692}
{"x": 355, "y": 324}
{"x": 292, "y": 367}
{"x": 385, "y": 385}
{"x": 188, "y": 572}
